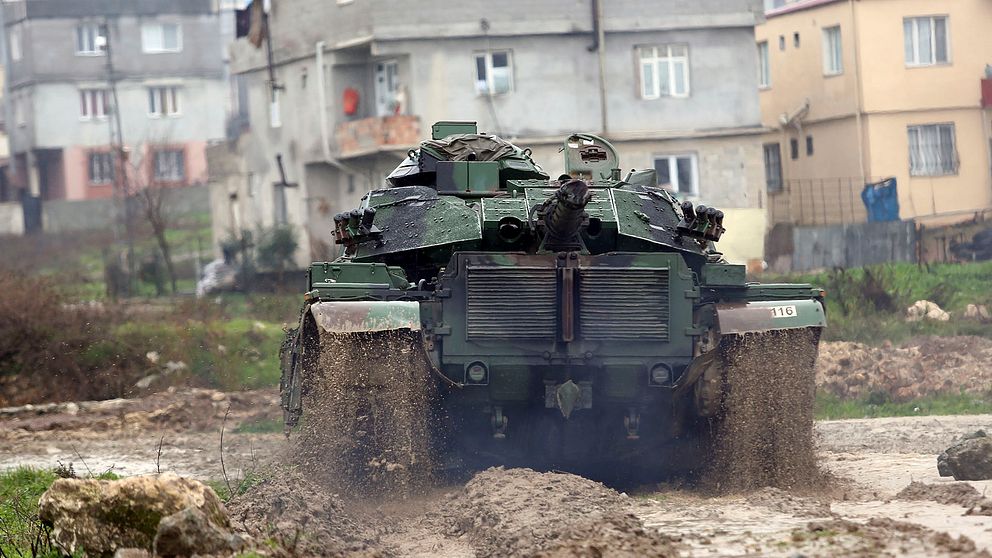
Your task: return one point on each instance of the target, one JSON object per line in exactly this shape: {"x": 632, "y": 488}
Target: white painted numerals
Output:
{"x": 785, "y": 311}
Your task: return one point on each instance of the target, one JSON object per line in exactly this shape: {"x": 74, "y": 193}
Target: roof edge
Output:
{"x": 798, "y": 7}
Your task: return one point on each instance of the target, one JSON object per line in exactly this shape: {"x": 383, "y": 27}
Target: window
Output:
{"x": 91, "y": 39}
{"x": 664, "y": 71}
{"x": 926, "y": 41}
{"x": 795, "y": 39}
{"x": 163, "y": 101}
{"x": 794, "y": 148}
{"x": 493, "y": 72}
{"x": 678, "y": 172}
{"x": 773, "y": 167}
{"x": 93, "y": 104}
{"x": 101, "y": 168}
{"x": 833, "y": 52}
{"x": 781, "y": 42}
{"x": 15, "y": 43}
{"x": 764, "y": 71}
{"x": 161, "y": 37}
{"x": 809, "y": 145}
{"x": 932, "y": 150}
{"x": 170, "y": 165}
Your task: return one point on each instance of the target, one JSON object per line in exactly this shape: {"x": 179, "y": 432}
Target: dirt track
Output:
{"x": 553, "y": 514}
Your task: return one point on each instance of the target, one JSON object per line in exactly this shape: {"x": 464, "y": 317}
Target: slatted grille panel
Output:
{"x": 623, "y": 304}
{"x": 511, "y": 302}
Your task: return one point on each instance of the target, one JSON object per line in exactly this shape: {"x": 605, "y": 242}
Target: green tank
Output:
{"x": 483, "y": 313}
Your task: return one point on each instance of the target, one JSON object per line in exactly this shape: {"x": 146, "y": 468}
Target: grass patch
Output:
{"x": 868, "y": 304}
{"x": 21, "y": 532}
{"x": 829, "y": 407}
{"x": 238, "y": 486}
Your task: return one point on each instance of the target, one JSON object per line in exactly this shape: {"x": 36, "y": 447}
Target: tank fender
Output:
{"x": 768, "y": 315}
{"x": 359, "y": 316}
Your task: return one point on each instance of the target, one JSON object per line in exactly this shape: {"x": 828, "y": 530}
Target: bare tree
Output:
{"x": 153, "y": 206}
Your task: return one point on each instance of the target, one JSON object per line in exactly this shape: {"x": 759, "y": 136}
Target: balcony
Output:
{"x": 379, "y": 133}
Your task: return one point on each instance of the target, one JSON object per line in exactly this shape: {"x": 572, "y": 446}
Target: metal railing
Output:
{"x": 818, "y": 201}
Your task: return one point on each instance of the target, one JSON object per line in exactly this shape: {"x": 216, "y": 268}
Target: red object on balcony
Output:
{"x": 350, "y": 101}
{"x": 986, "y": 93}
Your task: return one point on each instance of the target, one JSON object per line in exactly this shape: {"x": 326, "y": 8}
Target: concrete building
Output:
{"x": 72, "y": 62}
{"x": 359, "y": 82}
{"x": 860, "y": 91}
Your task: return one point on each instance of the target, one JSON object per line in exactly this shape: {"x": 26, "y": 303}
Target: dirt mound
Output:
{"x": 952, "y": 494}
{"x": 177, "y": 410}
{"x": 299, "y": 516}
{"x": 924, "y": 366}
{"x": 879, "y": 537}
{"x": 520, "y": 512}
{"x": 367, "y": 414}
{"x": 765, "y": 434}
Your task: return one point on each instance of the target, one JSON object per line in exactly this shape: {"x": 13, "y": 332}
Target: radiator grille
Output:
{"x": 511, "y": 302}
{"x": 623, "y": 304}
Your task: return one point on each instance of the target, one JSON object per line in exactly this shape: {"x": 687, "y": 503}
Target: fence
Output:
{"x": 818, "y": 201}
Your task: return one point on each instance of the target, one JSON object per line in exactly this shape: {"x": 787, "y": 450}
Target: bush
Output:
{"x": 44, "y": 342}
{"x": 277, "y": 248}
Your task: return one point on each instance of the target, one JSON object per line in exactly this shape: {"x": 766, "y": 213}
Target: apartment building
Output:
{"x": 86, "y": 75}
{"x": 861, "y": 91}
{"x": 354, "y": 84}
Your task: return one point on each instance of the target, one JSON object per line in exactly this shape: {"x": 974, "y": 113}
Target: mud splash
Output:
{"x": 765, "y": 435}
{"x": 366, "y": 428}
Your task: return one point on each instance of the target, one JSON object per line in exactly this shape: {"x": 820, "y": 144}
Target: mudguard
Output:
{"x": 770, "y": 315}
{"x": 355, "y": 317}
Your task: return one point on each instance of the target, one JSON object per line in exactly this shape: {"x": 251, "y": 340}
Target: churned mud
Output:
{"x": 884, "y": 497}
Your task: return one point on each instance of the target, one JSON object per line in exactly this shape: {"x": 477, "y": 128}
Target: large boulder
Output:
{"x": 97, "y": 517}
{"x": 968, "y": 459}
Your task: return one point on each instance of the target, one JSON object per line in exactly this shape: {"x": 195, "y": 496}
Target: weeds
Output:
{"x": 829, "y": 407}
{"x": 22, "y": 533}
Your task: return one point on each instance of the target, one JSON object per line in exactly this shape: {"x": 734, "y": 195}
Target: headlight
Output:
{"x": 476, "y": 372}
{"x": 661, "y": 374}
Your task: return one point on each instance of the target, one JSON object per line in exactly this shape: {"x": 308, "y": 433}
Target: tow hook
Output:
{"x": 632, "y": 422}
{"x": 499, "y": 423}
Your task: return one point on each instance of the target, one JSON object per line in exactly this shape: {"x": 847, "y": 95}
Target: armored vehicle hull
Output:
{"x": 481, "y": 313}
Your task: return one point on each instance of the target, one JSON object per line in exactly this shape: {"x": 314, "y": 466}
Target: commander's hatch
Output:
{"x": 591, "y": 158}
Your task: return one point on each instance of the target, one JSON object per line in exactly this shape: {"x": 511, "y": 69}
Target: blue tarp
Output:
{"x": 881, "y": 200}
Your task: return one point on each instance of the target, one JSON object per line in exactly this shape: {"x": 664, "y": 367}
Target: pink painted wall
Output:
{"x": 77, "y": 176}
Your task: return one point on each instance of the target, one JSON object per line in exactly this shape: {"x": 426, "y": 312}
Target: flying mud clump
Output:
{"x": 764, "y": 436}
{"x": 367, "y": 426}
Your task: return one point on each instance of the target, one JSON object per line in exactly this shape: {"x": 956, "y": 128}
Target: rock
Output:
{"x": 968, "y": 459}
{"x": 190, "y": 532}
{"x": 100, "y": 516}
{"x": 926, "y": 310}
{"x": 978, "y": 312}
{"x": 132, "y": 553}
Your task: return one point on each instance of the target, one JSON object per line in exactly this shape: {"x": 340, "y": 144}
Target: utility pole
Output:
{"x": 122, "y": 190}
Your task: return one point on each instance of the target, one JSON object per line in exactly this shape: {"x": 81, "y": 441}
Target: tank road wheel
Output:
{"x": 763, "y": 432}
{"x": 367, "y": 413}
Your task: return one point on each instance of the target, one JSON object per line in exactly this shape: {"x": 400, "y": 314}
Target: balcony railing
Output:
{"x": 370, "y": 135}
{"x": 818, "y": 201}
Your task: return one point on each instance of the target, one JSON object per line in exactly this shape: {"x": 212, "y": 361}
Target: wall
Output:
{"x": 797, "y": 73}
{"x": 928, "y": 195}
{"x": 64, "y": 215}
{"x": 848, "y": 246}
{"x": 11, "y": 218}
